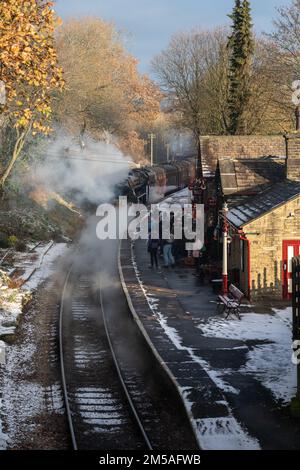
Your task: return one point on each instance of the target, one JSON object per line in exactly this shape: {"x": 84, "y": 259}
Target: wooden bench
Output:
{"x": 231, "y": 303}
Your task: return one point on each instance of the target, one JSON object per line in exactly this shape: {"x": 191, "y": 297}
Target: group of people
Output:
{"x": 157, "y": 246}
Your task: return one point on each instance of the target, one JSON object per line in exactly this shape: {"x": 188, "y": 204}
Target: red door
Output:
{"x": 291, "y": 248}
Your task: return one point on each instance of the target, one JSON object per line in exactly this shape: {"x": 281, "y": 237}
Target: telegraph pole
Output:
{"x": 151, "y": 137}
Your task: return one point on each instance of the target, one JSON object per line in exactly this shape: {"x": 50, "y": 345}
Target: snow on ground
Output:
{"x": 22, "y": 391}
{"x": 11, "y": 302}
{"x": 34, "y": 273}
{"x": 25, "y": 401}
{"x": 29, "y": 260}
{"x": 270, "y": 363}
{"x": 46, "y": 266}
{"x": 3, "y": 437}
{"x": 223, "y": 433}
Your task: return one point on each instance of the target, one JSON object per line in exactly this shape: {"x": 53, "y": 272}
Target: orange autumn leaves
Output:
{"x": 79, "y": 75}
{"x": 104, "y": 93}
{"x": 28, "y": 61}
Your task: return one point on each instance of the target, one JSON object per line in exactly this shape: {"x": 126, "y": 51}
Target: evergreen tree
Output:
{"x": 241, "y": 45}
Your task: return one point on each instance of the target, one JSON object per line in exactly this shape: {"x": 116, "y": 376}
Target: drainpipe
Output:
{"x": 245, "y": 239}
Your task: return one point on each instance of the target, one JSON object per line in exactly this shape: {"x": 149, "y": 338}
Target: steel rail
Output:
{"x": 118, "y": 368}
{"x": 62, "y": 362}
{"x": 115, "y": 360}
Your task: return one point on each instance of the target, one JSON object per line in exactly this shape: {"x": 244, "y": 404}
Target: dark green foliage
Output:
{"x": 3, "y": 241}
{"x": 241, "y": 45}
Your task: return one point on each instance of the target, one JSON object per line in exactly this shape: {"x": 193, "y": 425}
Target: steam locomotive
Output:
{"x": 151, "y": 184}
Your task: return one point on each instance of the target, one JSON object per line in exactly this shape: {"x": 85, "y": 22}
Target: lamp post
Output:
{"x": 225, "y": 249}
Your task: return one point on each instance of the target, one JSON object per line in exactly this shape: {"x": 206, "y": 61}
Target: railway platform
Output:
{"x": 228, "y": 406}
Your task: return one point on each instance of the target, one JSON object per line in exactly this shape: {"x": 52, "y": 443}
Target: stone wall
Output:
{"x": 266, "y": 236}
{"x": 214, "y": 147}
{"x": 293, "y": 154}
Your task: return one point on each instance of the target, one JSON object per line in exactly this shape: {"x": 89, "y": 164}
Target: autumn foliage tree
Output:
{"x": 104, "y": 93}
{"x": 29, "y": 71}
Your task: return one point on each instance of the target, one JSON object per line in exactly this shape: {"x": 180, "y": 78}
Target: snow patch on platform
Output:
{"x": 270, "y": 363}
{"x": 174, "y": 336}
{"x": 224, "y": 434}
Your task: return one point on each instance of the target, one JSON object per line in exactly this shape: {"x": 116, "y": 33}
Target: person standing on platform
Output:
{"x": 153, "y": 246}
{"x": 168, "y": 256}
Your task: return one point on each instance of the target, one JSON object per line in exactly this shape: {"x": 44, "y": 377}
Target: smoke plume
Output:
{"x": 88, "y": 172}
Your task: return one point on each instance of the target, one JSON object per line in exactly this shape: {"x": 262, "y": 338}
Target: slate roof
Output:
{"x": 268, "y": 200}
{"x": 249, "y": 175}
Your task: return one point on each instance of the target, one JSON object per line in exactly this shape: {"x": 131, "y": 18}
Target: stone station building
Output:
{"x": 263, "y": 195}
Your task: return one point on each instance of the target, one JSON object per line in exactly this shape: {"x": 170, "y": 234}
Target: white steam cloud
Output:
{"x": 89, "y": 173}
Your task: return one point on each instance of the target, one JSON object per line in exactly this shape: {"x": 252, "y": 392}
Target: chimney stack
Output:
{"x": 293, "y": 156}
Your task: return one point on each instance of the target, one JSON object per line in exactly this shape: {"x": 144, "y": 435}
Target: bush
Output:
{"x": 21, "y": 246}
{"x": 12, "y": 241}
{"x": 3, "y": 240}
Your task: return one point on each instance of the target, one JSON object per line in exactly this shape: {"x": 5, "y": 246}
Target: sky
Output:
{"x": 151, "y": 23}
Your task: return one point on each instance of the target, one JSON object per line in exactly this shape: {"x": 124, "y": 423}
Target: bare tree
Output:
{"x": 286, "y": 35}
{"x": 192, "y": 71}
{"x": 270, "y": 110}
{"x": 284, "y": 60}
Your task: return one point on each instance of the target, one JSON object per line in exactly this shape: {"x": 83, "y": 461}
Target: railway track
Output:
{"x": 116, "y": 393}
{"x": 99, "y": 408}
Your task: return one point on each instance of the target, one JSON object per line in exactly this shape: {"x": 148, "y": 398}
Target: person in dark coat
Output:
{"x": 153, "y": 246}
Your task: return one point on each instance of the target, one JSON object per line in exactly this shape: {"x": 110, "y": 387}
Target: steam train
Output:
{"x": 151, "y": 184}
